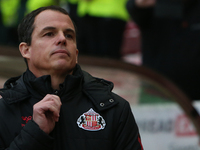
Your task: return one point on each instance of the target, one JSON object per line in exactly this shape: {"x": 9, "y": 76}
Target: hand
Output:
{"x": 145, "y": 3}
{"x": 46, "y": 112}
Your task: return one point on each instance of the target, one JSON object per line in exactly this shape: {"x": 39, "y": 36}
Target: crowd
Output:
{"x": 170, "y": 32}
{"x": 100, "y": 25}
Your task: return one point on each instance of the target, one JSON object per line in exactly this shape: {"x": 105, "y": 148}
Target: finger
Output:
{"x": 55, "y": 98}
{"x": 52, "y": 116}
{"x": 50, "y": 99}
{"x": 47, "y": 111}
{"x": 52, "y": 106}
{"x": 55, "y": 112}
{"x": 48, "y": 104}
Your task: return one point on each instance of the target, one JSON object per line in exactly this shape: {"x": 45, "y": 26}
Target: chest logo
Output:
{"x": 91, "y": 121}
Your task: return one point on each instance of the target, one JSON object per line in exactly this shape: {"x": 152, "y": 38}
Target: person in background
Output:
{"x": 12, "y": 12}
{"x": 170, "y": 33}
{"x": 73, "y": 4}
{"x": 102, "y": 26}
{"x": 54, "y": 104}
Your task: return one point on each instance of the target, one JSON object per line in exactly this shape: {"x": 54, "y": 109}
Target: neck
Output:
{"x": 56, "y": 81}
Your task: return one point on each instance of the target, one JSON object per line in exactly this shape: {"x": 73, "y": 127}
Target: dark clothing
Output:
{"x": 80, "y": 94}
{"x": 170, "y": 44}
{"x": 98, "y": 36}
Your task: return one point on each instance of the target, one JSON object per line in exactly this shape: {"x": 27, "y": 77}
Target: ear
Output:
{"x": 77, "y": 55}
{"x": 24, "y": 50}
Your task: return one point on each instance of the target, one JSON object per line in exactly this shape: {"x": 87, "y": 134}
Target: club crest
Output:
{"x": 91, "y": 121}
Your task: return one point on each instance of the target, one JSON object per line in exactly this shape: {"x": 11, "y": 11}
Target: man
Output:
{"x": 54, "y": 104}
{"x": 170, "y": 39}
{"x": 104, "y": 22}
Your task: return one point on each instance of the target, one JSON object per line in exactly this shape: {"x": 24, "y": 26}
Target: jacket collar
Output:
{"x": 40, "y": 87}
{"x": 97, "y": 90}
{"x": 14, "y": 90}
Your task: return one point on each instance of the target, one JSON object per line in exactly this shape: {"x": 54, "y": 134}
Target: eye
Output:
{"x": 69, "y": 36}
{"x": 49, "y": 34}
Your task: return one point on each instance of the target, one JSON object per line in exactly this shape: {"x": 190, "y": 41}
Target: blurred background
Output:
{"x": 149, "y": 49}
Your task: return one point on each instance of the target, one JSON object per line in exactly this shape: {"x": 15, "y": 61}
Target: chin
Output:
{"x": 65, "y": 67}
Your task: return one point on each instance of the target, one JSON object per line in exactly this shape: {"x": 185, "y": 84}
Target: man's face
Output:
{"x": 53, "y": 46}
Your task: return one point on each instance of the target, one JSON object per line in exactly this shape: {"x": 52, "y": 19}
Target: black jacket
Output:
{"x": 82, "y": 95}
{"x": 170, "y": 43}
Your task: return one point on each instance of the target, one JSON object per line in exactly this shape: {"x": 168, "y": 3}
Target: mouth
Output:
{"x": 61, "y": 51}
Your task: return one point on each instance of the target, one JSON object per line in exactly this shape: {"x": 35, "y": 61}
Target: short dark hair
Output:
{"x": 26, "y": 27}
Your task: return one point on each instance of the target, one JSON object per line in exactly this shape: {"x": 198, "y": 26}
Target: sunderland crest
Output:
{"x": 91, "y": 121}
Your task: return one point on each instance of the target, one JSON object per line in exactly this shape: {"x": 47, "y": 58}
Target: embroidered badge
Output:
{"x": 25, "y": 119}
{"x": 91, "y": 121}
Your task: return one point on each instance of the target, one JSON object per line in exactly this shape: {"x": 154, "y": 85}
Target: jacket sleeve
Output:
{"x": 141, "y": 16}
{"x": 127, "y": 136}
{"x": 31, "y": 137}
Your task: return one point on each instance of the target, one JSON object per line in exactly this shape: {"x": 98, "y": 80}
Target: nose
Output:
{"x": 61, "y": 39}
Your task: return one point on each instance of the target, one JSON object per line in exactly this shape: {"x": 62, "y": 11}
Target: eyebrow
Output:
{"x": 53, "y": 28}
{"x": 48, "y": 28}
{"x": 70, "y": 30}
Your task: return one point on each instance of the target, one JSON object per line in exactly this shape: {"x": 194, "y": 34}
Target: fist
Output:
{"x": 46, "y": 112}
